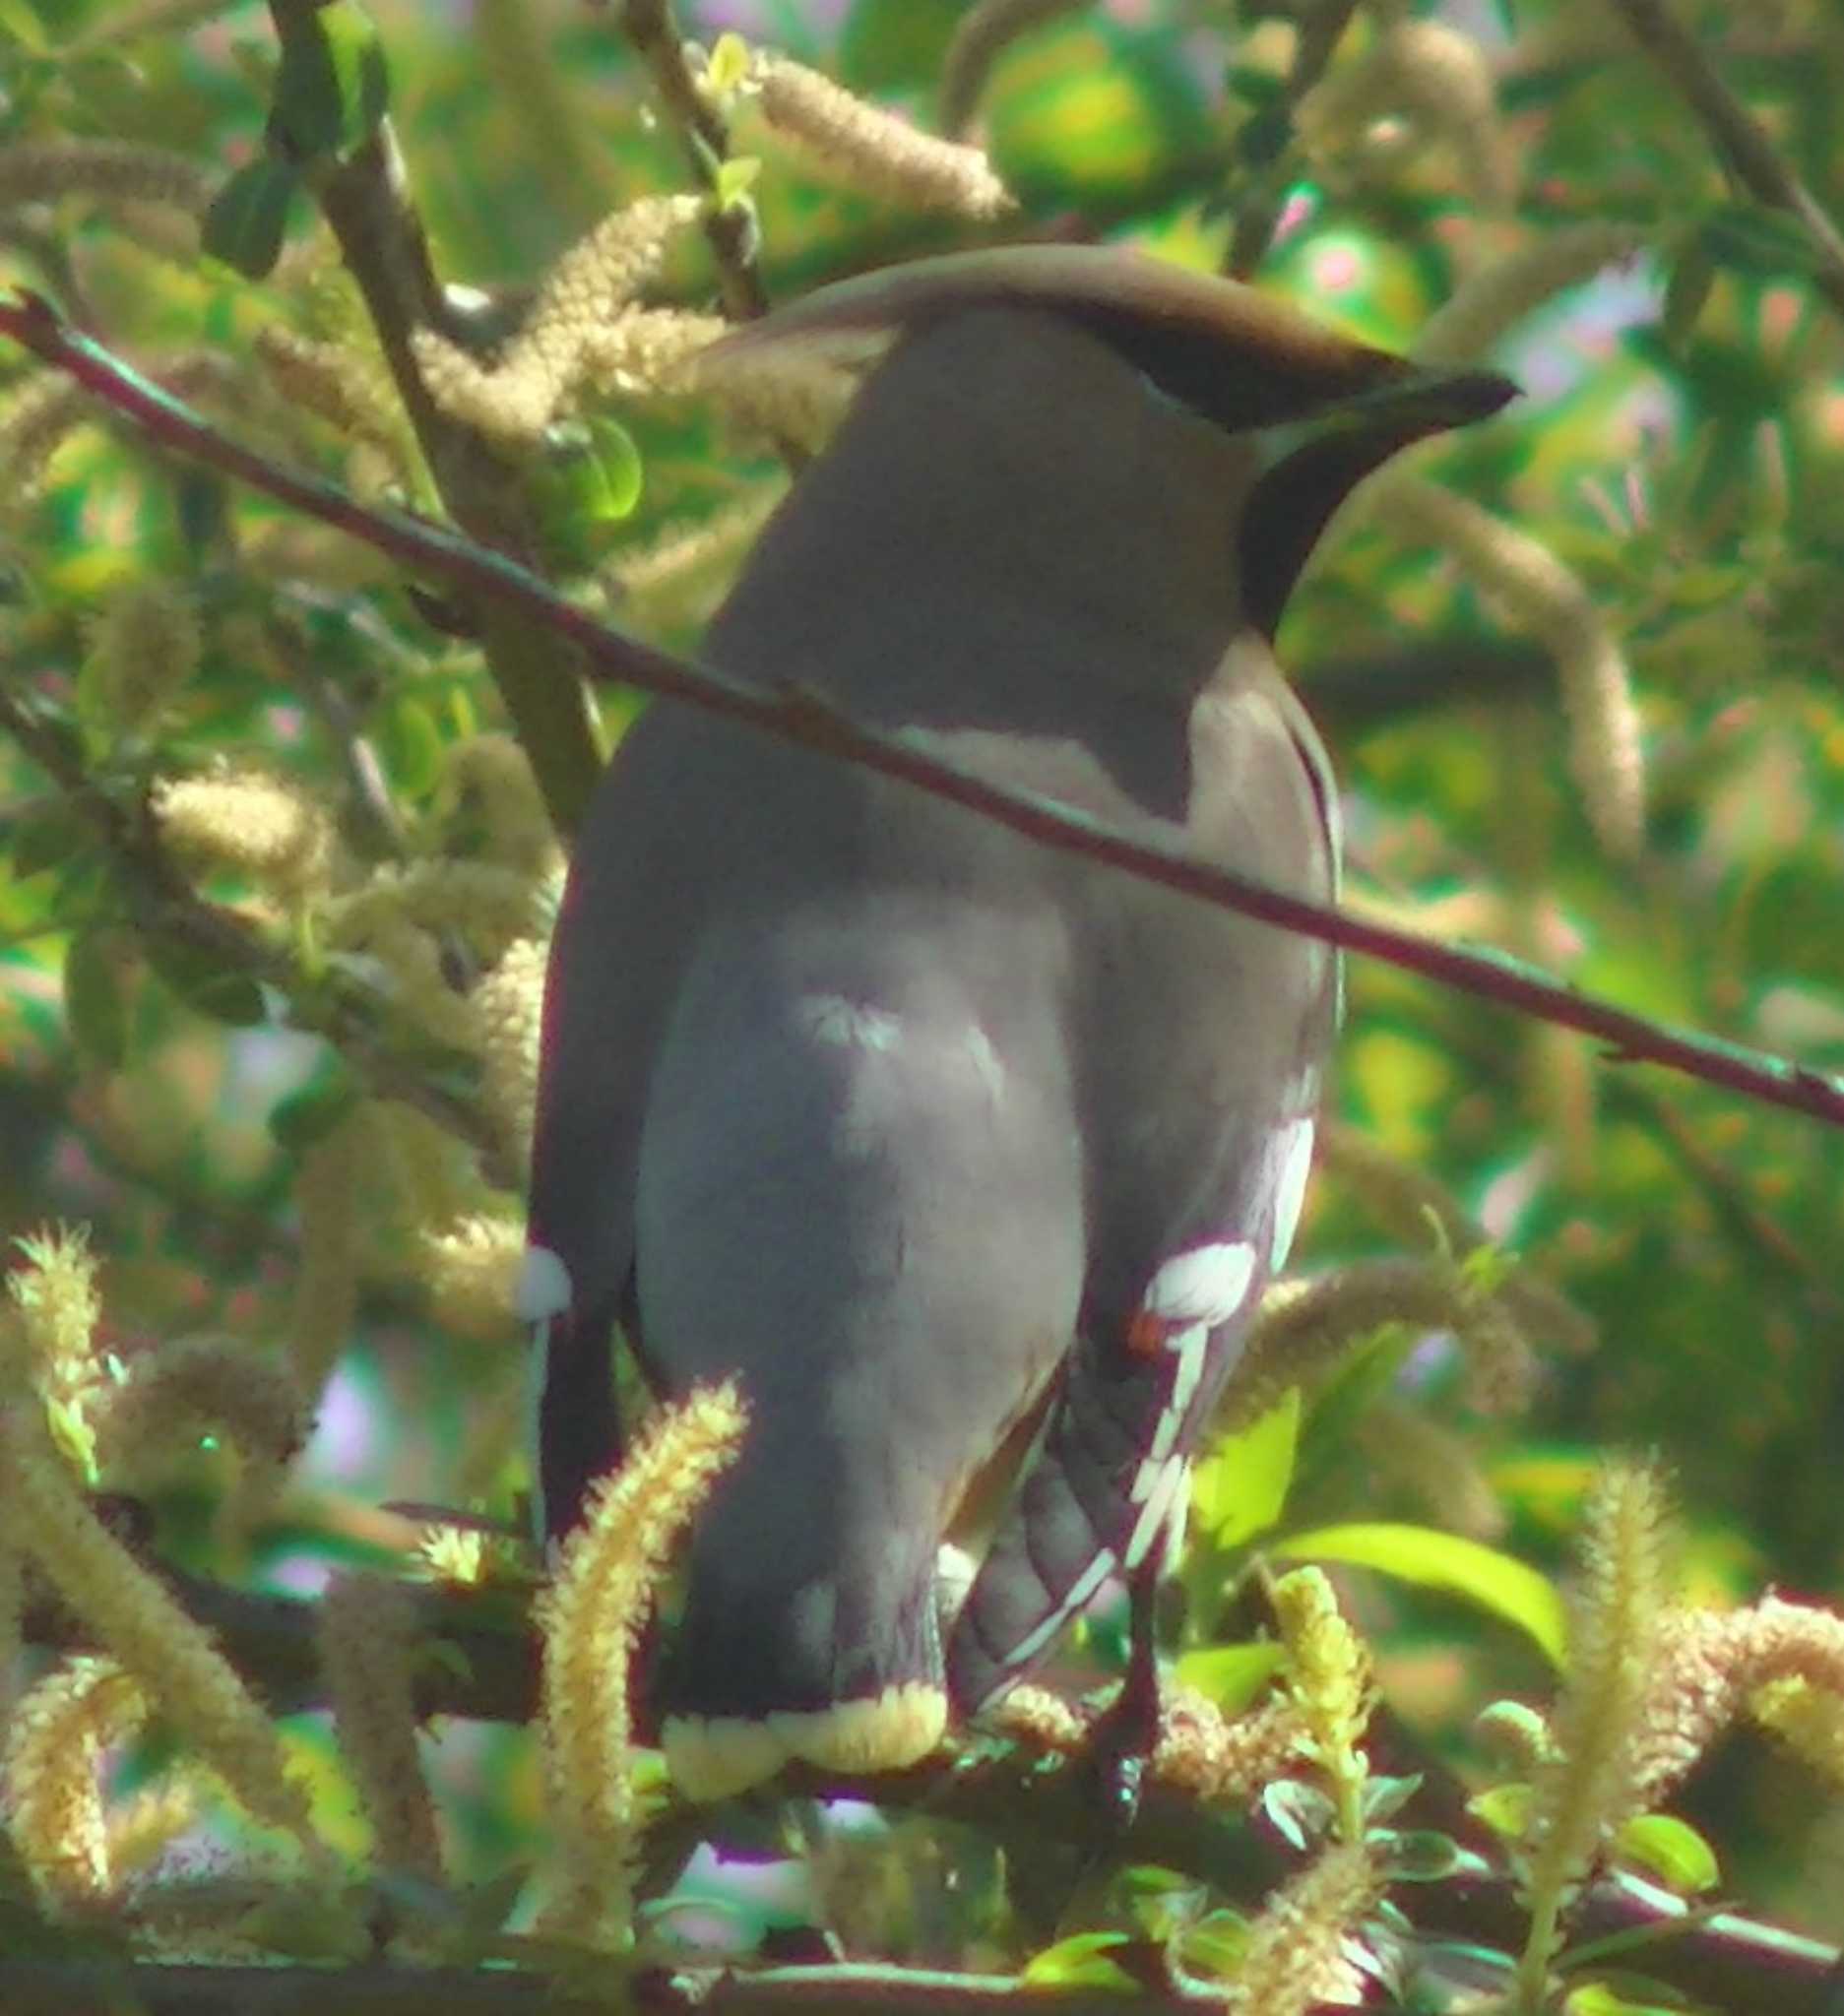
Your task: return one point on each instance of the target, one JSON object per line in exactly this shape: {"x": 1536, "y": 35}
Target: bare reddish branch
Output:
{"x": 803, "y": 718}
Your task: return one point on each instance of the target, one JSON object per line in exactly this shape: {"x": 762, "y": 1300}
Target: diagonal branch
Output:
{"x": 366, "y": 198}
{"x": 801, "y": 717}
{"x": 1739, "y": 138}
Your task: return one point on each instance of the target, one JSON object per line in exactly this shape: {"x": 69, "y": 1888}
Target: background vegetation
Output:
{"x": 278, "y": 827}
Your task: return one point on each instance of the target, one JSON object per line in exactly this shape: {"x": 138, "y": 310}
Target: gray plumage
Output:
{"x": 953, "y": 1148}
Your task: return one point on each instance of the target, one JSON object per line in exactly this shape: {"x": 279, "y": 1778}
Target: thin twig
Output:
{"x": 803, "y": 718}
{"x": 366, "y": 202}
{"x": 1319, "y": 33}
{"x": 730, "y": 228}
{"x": 1739, "y": 138}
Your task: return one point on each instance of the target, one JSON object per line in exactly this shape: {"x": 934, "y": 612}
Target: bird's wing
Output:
{"x": 632, "y": 915}
{"x": 1207, "y": 1037}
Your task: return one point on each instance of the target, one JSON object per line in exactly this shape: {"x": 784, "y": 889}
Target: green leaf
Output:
{"x": 96, "y": 996}
{"x": 728, "y": 68}
{"x": 587, "y": 480}
{"x": 1300, "y": 1813}
{"x": 411, "y": 744}
{"x": 19, "y": 23}
{"x": 1673, "y": 1850}
{"x": 1598, "y": 2000}
{"x": 1080, "y": 1961}
{"x": 735, "y": 178}
{"x": 310, "y": 1115}
{"x": 45, "y": 836}
{"x": 206, "y": 987}
{"x": 1692, "y": 275}
{"x": 1495, "y": 1582}
{"x": 333, "y": 89}
{"x": 1240, "y": 1486}
{"x": 1505, "y": 1808}
{"x": 1766, "y": 244}
{"x": 249, "y": 215}
{"x": 1215, "y": 1946}
{"x": 1232, "y": 1675}
{"x": 73, "y": 1436}
{"x": 1420, "y": 1855}
{"x": 891, "y": 45}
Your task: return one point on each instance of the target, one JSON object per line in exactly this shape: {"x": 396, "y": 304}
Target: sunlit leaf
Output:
{"x": 1495, "y": 1582}
{"x": 1673, "y": 1850}
{"x": 1241, "y": 1487}
{"x": 1080, "y": 1961}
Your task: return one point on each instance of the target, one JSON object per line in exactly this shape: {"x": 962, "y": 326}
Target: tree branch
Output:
{"x": 1739, "y": 138}
{"x": 89, "y": 1988}
{"x": 484, "y": 1667}
{"x": 730, "y": 228}
{"x": 1321, "y": 27}
{"x": 366, "y": 198}
{"x": 803, "y": 718}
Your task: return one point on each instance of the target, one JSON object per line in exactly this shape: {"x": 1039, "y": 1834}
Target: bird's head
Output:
{"x": 1051, "y": 378}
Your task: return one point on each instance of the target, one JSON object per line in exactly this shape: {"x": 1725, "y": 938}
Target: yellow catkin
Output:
{"x": 508, "y": 1007}
{"x": 1329, "y": 1685}
{"x": 875, "y": 148}
{"x": 589, "y": 1620}
{"x": 777, "y": 393}
{"x": 489, "y": 903}
{"x": 1593, "y": 1783}
{"x": 1713, "y": 1666}
{"x": 142, "y": 646}
{"x": 472, "y": 1269}
{"x": 1306, "y": 1328}
{"x": 515, "y": 399}
{"x": 650, "y": 349}
{"x": 109, "y": 171}
{"x": 414, "y": 973}
{"x": 1297, "y": 1958}
{"x": 47, "y": 410}
{"x": 1431, "y": 75}
{"x": 172, "y": 1657}
{"x": 50, "y": 1776}
{"x": 58, "y": 1305}
{"x": 365, "y": 1631}
{"x": 1808, "y": 1720}
{"x": 1492, "y": 302}
{"x": 337, "y": 383}
{"x": 220, "y": 1383}
{"x": 491, "y": 792}
{"x": 680, "y": 577}
{"x": 1540, "y": 594}
{"x": 249, "y": 822}
{"x": 1203, "y": 1752}
{"x": 142, "y": 1827}
{"x": 1040, "y": 1718}
{"x": 1405, "y": 1199}
{"x": 428, "y": 1166}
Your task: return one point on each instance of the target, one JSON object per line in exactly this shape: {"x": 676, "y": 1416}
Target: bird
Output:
{"x": 966, "y": 1159}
